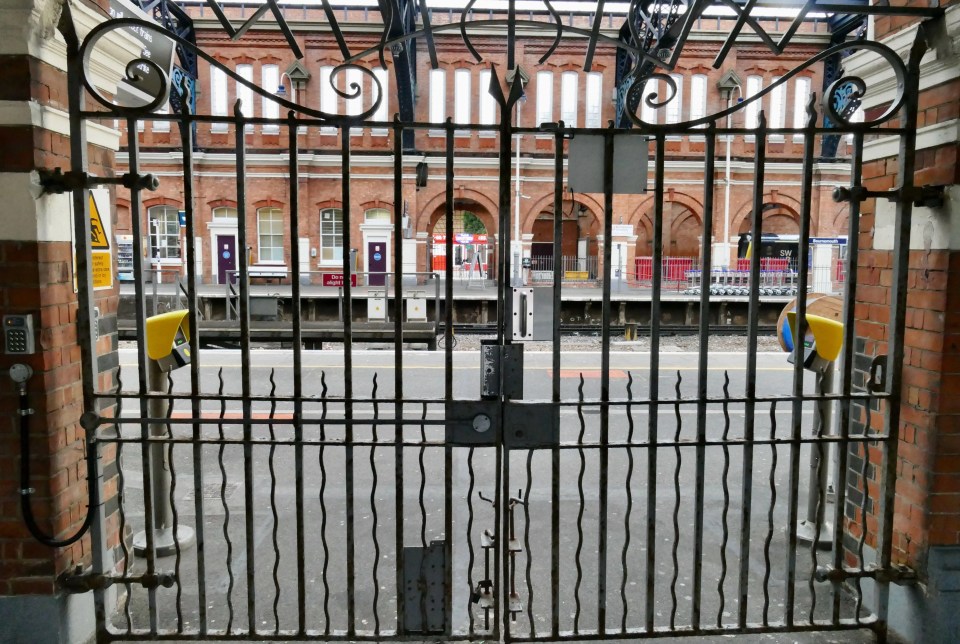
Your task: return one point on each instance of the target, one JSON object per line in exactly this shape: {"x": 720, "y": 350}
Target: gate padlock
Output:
{"x": 484, "y": 589}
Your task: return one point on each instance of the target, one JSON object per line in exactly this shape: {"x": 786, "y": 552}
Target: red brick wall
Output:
{"x": 39, "y": 280}
{"x": 927, "y": 503}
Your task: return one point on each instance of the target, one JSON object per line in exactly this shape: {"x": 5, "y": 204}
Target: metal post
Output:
{"x": 163, "y": 537}
{"x": 808, "y": 529}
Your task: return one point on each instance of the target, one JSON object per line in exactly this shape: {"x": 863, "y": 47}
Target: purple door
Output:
{"x": 377, "y": 261}
{"x": 226, "y": 258}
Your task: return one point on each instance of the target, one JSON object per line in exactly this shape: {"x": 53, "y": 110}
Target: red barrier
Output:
{"x": 644, "y": 269}
{"x": 675, "y": 268}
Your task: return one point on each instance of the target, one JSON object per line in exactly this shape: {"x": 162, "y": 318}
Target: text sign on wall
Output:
{"x": 336, "y": 279}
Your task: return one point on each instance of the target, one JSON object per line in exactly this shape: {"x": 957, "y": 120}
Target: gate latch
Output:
{"x": 57, "y": 182}
{"x": 83, "y": 582}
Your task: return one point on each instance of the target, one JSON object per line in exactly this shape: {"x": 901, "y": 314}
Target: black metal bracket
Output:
{"x": 896, "y": 574}
{"x": 926, "y": 196}
{"x": 57, "y": 182}
{"x": 878, "y": 374}
{"x": 84, "y": 582}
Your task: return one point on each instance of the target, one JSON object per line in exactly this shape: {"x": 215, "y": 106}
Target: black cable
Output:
{"x": 26, "y": 490}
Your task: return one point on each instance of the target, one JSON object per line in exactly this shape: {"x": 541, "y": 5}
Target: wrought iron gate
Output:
{"x": 331, "y": 502}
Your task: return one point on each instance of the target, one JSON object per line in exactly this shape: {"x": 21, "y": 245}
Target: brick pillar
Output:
{"x": 36, "y": 253}
{"x": 926, "y": 524}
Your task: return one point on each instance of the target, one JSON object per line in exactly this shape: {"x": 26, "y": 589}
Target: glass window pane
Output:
{"x": 754, "y": 85}
{"x": 777, "y": 104}
{"x": 675, "y": 106}
{"x": 383, "y": 112}
{"x": 463, "y": 96}
{"x": 270, "y": 81}
{"x": 328, "y": 97}
{"x": 244, "y": 93}
{"x": 488, "y": 106}
{"x": 594, "y": 99}
{"x": 438, "y": 95}
{"x": 544, "y": 97}
{"x": 569, "y": 98}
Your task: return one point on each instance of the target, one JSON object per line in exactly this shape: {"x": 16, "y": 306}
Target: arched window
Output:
{"x": 569, "y": 98}
{"x": 270, "y": 235}
{"x": 331, "y": 236}
{"x": 164, "y": 232}
{"x": 225, "y": 213}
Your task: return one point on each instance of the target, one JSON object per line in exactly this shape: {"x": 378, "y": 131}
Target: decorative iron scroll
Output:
{"x": 657, "y": 39}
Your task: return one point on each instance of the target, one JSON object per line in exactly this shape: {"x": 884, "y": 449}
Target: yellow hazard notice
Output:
{"x": 98, "y": 234}
{"x": 102, "y": 269}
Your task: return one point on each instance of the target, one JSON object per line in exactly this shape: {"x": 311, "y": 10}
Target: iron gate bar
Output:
{"x": 654, "y": 395}
{"x": 448, "y": 387}
{"x": 846, "y": 377}
{"x": 604, "y": 364}
{"x": 559, "y": 137}
{"x": 806, "y": 203}
{"x": 186, "y": 134}
{"x": 702, "y": 364}
{"x": 245, "y": 385}
{"x": 398, "y": 413}
{"x": 293, "y": 131}
{"x": 347, "y": 207}
{"x": 137, "y": 226}
{"x": 751, "y": 377}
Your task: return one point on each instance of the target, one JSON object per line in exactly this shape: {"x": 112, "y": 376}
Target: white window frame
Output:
{"x": 544, "y": 97}
{"x": 354, "y": 106}
{"x": 162, "y": 126}
{"x": 270, "y": 81}
{"x": 778, "y": 108}
{"x": 751, "y": 118}
{"x": 224, "y": 213}
{"x": 569, "y": 98}
{"x": 267, "y": 239}
{"x": 218, "y": 97}
{"x": 801, "y": 94}
{"x": 333, "y": 258}
{"x": 245, "y": 94}
{"x": 462, "y": 98}
{"x": 488, "y": 106}
{"x": 376, "y": 215}
{"x": 594, "y": 100}
{"x": 649, "y": 114}
{"x": 329, "y": 102}
{"x": 164, "y": 244}
{"x": 675, "y": 107}
{"x": 698, "y": 97}
{"x": 438, "y": 98}
{"x": 383, "y": 111}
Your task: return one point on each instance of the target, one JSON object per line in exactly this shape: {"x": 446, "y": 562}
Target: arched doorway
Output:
{"x": 472, "y": 246}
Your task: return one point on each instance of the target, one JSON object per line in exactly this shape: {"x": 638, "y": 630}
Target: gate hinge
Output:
{"x": 57, "y": 182}
{"x": 83, "y": 582}
{"x": 896, "y": 574}
{"x": 925, "y": 196}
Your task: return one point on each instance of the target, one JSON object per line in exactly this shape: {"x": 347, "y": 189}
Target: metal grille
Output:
{"x": 334, "y": 498}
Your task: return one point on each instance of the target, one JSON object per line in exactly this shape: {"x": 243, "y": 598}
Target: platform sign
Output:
{"x": 336, "y": 279}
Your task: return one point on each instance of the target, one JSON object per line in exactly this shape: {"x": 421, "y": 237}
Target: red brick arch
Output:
{"x": 464, "y": 199}
{"x": 784, "y": 206}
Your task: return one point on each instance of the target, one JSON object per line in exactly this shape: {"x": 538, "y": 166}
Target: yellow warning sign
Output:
{"x": 98, "y": 234}
{"x": 102, "y": 270}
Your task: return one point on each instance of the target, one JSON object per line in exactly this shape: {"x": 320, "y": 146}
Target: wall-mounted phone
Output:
{"x": 18, "y": 336}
